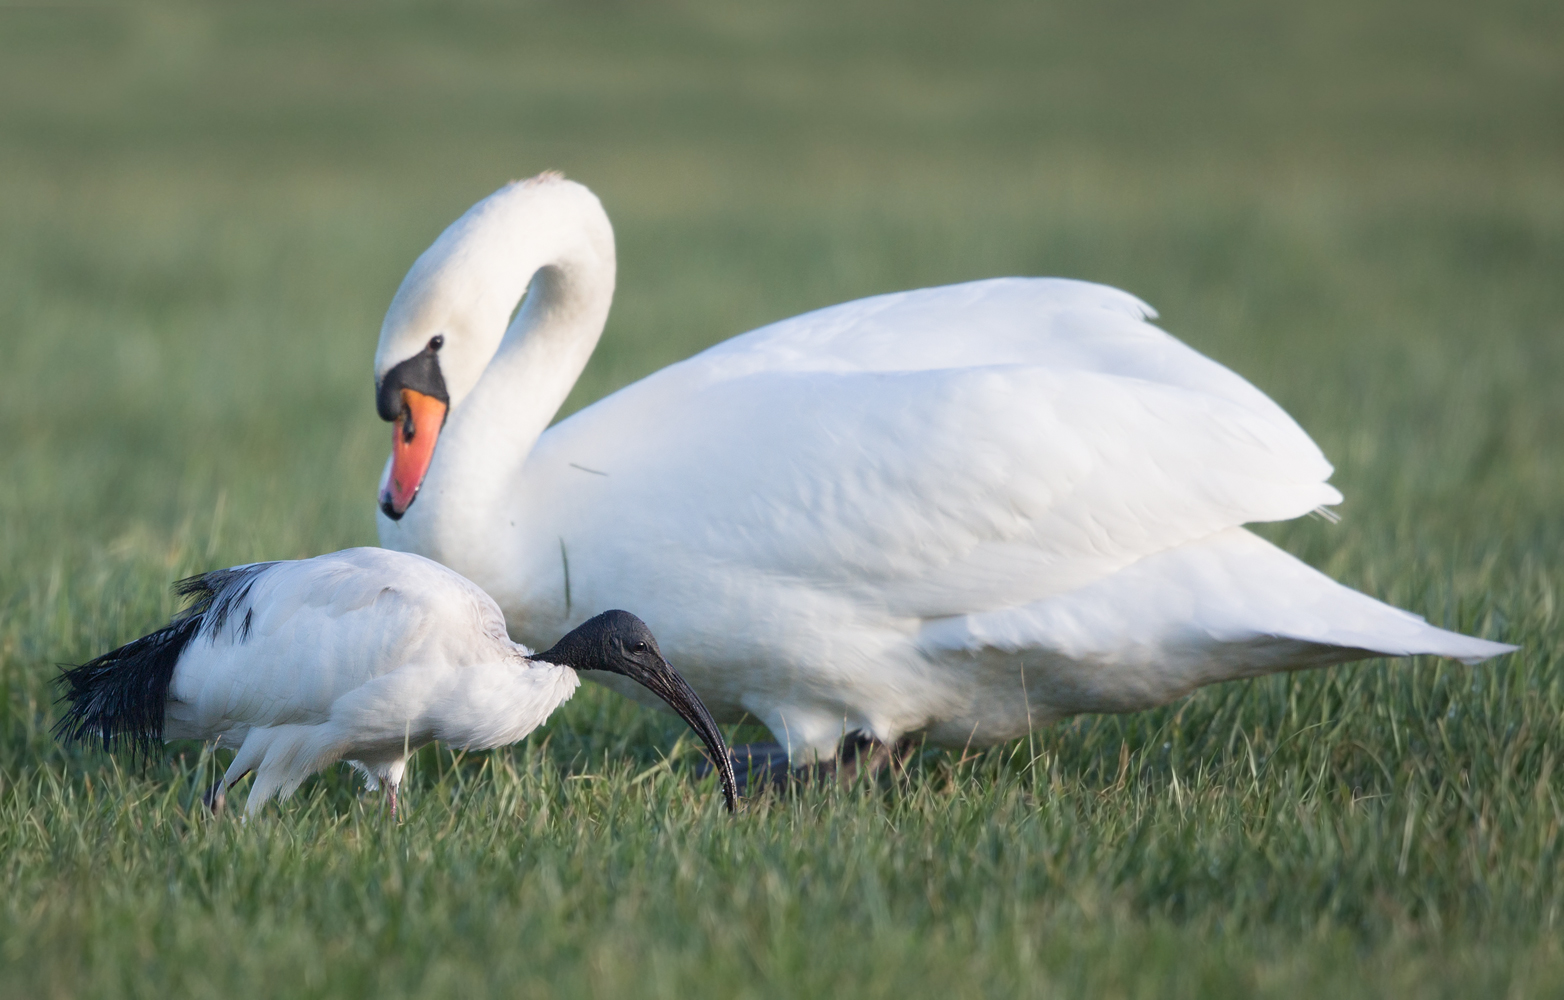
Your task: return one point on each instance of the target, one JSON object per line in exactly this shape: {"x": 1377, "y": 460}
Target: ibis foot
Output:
{"x": 758, "y": 765}
{"x": 216, "y": 797}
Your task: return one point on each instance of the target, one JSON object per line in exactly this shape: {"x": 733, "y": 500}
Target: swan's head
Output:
{"x": 412, "y": 395}
{"x": 452, "y": 310}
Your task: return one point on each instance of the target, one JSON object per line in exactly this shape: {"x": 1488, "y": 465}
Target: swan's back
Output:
{"x": 1055, "y": 323}
{"x": 940, "y": 451}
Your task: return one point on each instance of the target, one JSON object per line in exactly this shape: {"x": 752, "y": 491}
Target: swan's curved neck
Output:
{"x": 556, "y": 248}
{"x": 537, "y": 363}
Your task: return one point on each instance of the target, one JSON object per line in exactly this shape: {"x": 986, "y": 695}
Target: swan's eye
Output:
{"x": 437, "y": 341}
{"x": 639, "y": 647}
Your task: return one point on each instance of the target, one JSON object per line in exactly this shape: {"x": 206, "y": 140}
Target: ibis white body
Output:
{"x": 362, "y": 655}
{"x": 960, "y": 511}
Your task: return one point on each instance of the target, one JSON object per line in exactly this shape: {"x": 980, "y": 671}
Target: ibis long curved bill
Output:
{"x": 658, "y": 676}
{"x": 620, "y": 643}
{"x": 674, "y": 690}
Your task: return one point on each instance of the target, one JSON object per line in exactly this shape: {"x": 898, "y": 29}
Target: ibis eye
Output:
{"x": 437, "y": 341}
{"x": 639, "y": 647}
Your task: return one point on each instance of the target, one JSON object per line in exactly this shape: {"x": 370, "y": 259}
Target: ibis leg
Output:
{"x": 216, "y": 797}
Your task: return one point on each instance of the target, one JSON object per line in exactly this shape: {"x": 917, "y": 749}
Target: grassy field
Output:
{"x": 204, "y": 212}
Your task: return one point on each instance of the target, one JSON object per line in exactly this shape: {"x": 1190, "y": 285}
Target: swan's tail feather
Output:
{"x": 1228, "y": 606}
{"x": 1423, "y": 640}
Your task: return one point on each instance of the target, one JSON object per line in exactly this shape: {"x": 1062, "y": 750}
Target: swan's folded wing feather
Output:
{"x": 938, "y": 491}
{"x": 1059, "y": 324}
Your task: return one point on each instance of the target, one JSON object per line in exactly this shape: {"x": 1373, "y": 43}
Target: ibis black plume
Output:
{"x": 119, "y": 697}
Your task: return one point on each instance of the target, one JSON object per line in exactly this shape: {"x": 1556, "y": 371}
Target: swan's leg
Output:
{"x": 756, "y": 764}
{"x": 865, "y": 754}
{"x": 759, "y": 764}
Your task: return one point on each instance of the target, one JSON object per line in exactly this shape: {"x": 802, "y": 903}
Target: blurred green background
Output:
{"x": 204, "y": 211}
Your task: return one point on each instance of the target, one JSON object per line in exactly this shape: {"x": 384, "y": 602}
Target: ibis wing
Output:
{"x": 303, "y": 634}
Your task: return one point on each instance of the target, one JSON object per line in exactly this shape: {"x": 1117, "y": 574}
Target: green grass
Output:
{"x": 204, "y": 211}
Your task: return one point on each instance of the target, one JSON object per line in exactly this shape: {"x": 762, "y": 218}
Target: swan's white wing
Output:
{"x": 294, "y": 637}
{"x": 1055, "y": 323}
{"x": 1036, "y": 469}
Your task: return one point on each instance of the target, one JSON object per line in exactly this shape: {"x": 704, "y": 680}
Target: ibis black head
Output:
{"x": 620, "y": 643}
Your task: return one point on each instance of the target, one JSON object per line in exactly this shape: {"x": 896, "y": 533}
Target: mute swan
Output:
{"x": 364, "y": 655}
{"x": 959, "y": 512}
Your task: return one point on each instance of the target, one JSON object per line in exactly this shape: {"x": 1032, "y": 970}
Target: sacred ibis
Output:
{"x": 362, "y": 655}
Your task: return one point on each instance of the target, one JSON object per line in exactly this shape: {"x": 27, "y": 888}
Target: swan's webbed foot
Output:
{"x": 757, "y": 765}
{"x": 761, "y": 765}
{"x": 860, "y": 754}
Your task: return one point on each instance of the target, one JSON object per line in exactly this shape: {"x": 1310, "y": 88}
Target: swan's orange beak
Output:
{"x": 413, "y": 435}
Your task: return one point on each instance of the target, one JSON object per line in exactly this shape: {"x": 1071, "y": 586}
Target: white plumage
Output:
{"x": 362, "y": 655}
{"x": 958, "y": 511}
